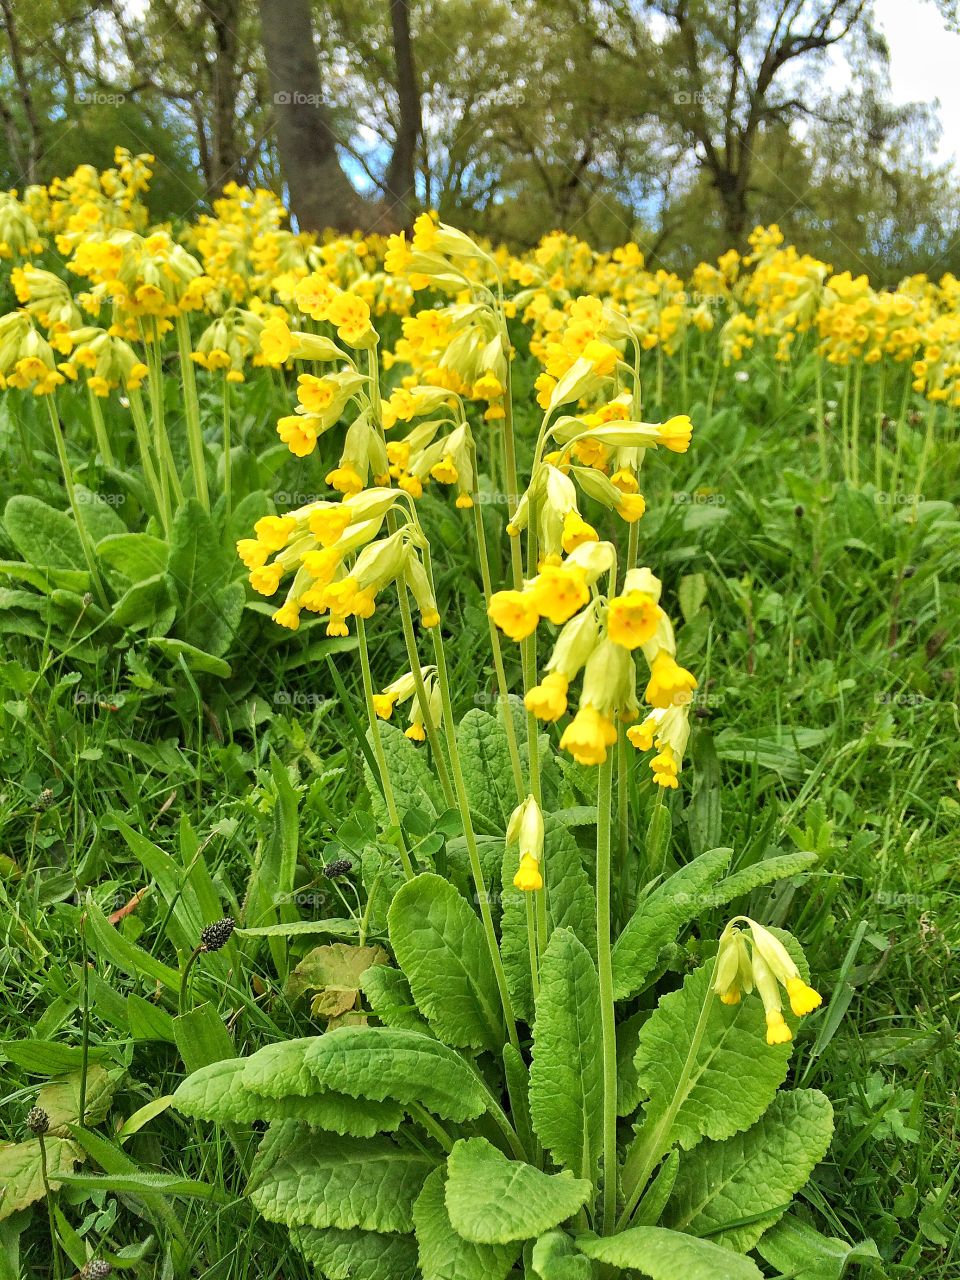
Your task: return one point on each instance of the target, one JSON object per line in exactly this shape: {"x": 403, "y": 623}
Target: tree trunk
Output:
{"x": 224, "y": 18}
{"x": 400, "y": 176}
{"x": 33, "y": 147}
{"x": 321, "y": 194}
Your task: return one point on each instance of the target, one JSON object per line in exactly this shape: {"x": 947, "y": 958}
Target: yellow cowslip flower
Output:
{"x": 525, "y": 828}
{"x": 276, "y": 341}
{"x": 588, "y": 735}
{"x": 299, "y": 432}
{"x": 351, "y": 316}
{"x": 288, "y": 615}
{"x": 514, "y": 612}
{"x": 328, "y": 522}
{"x": 769, "y": 967}
{"x": 416, "y": 729}
{"x": 400, "y": 690}
{"x": 559, "y": 591}
{"x": 675, "y": 433}
{"x": 669, "y": 684}
{"x": 576, "y": 531}
{"x": 631, "y": 507}
{"x": 252, "y": 552}
{"x": 274, "y": 531}
{"x": 266, "y": 578}
{"x": 669, "y": 730}
{"x": 548, "y": 699}
{"x": 632, "y": 618}
{"x": 345, "y": 479}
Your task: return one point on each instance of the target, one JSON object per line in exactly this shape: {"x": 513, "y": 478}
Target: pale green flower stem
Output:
{"x": 141, "y": 430}
{"x": 605, "y": 972}
{"x": 88, "y": 552}
{"x": 191, "y": 406}
{"x": 379, "y": 754}
{"x": 646, "y": 1155}
{"x": 100, "y": 427}
{"x": 227, "y": 477}
{"x": 169, "y": 477}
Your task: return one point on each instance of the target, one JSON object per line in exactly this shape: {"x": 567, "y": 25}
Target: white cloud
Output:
{"x": 924, "y": 63}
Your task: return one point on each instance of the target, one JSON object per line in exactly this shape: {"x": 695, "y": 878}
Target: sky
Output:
{"x": 924, "y": 63}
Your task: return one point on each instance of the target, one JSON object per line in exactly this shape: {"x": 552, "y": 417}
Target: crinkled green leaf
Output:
{"x": 629, "y": 1093}
{"x": 441, "y": 948}
{"x": 217, "y": 1092}
{"x": 556, "y": 1257}
{"x": 44, "y": 536}
{"x": 487, "y": 771}
{"x": 566, "y": 1077}
{"x": 797, "y": 1250}
{"x": 660, "y": 916}
{"x": 445, "y": 1255}
{"x": 21, "y": 1170}
{"x": 280, "y": 1069}
{"x": 387, "y": 1062}
{"x": 669, "y": 1255}
{"x": 414, "y": 783}
{"x": 333, "y": 972}
{"x": 732, "y": 1191}
{"x": 358, "y": 1255}
{"x": 323, "y": 1180}
{"x": 733, "y": 1049}
{"x": 60, "y": 1099}
{"x": 761, "y": 873}
{"x": 391, "y": 999}
{"x": 493, "y": 1200}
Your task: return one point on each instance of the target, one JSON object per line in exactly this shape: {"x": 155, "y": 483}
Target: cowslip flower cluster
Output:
{"x": 402, "y": 690}
{"x": 525, "y": 829}
{"x": 758, "y": 959}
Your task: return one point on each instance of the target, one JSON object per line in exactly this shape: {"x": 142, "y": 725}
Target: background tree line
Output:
{"x": 678, "y": 123}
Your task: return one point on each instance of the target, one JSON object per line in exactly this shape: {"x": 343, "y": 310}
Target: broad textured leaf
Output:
{"x": 733, "y": 1048}
{"x": 327, "y": 1181}
{"x": 98, "y": 516}
{"x": 414, "y": 783}
{"x": 566, "y": 1077}
{"x": 796, "y": 1249}
{"x": 752, "y": 1175}
{"x": 659, "y": 918}
{"x": 45, "y": 537}
{"x": 196, "y": 659}
{"x": 217, "y": 1092}
{"x": 629, "y": 1093}
{"x": 203, "y": 573}
{"x": 333, "y": 971}
{"x": 669, "y": 1255}
{"x": 441, "y": 948}
{"x": 61, "y": 1099}
{"x": 761, "y": 873}
{"x": 445, "y": 1255}
{"x": 391, "y": 999}
{"x": 493, "y": 1200}
{"x": 21, "y": 1170}
{"x": 386, "y": 1062}
{"x": 280, "y": 1069}
{"x": 136, "y": 555}
{"x": 487, "y": 770}
{"x": 358, "y": 1255}
{"x": 556, "y": 1257}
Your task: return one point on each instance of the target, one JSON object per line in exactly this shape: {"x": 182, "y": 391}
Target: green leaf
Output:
{"x": 280, "y": 1069}
{"x": 217, "y": 1092}
{"x": 333, "y": 972}
{"x": 493, "y": 1200}
{"x": 566, "y": 1078}
{"x": 704, "y": 813}
{"x": 445, "y": 1255}
{"x": 386, "y": 1062}
{"x": 669, "y": 1255}
{"x": 733, "y": 1048}
{"x": 137, "y": 556}
{"x": 45, "y": 537}
{"x": 691, "y": 594}
{"x": 98, "y": 516}
{"x": 358, "y": 1255}
{"x": 441, "y": 948}
{"x": 196, "y": 659}
{"x": 487, "y": 771}
{"x": 760, "y": 873}
{"x": 556, "y": 1257}
{"x": 796, "y": 1249}
{"x": 21, "y": 1170}
{"x": 138, "y": 608}
{"x": 659, "y": 918}
{"x": 391, "y": 999}
{"x": 61, "y": 1099}
{"x": 414, "y": 783}
{"x": 733, "y": 1191}
{"x": 329, "y": 1181}
{"x": 204, "y": 573}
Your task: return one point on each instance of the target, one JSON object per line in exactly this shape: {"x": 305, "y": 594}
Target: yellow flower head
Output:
{"x": 559, "y": 591}
{"x": 265, "y": 580}
{"x": 631, "y": 507}
{"x": 327, "y": 524}
{"x": 274, "y": 531}
{"x": 588, "y": 735}
{"x": 288, "y": 615}
{"x": 632, "y": 619}
{"x": 675, "y": 433}
{"x": 252, "y": 552}
{"x": 548, "y": 699}
{"x": 528, "y": 877}
{"x": 670, "y": 684}
{"x": 345, "y": 479}
{"x": 515, "y": 613}
{"x": 576, "y": 531}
